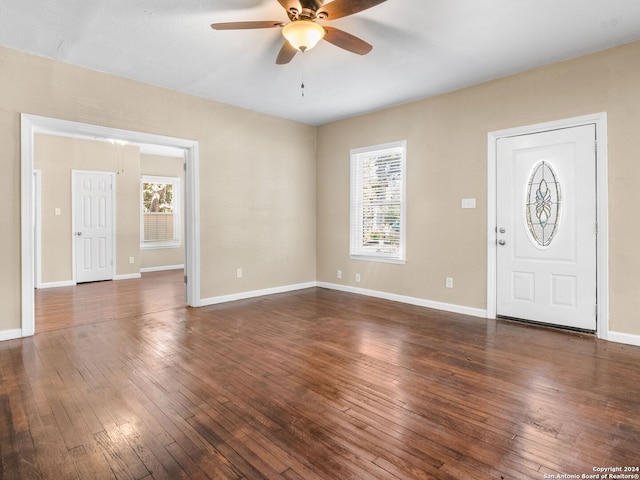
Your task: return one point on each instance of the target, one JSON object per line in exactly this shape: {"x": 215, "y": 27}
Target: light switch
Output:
{"x": 58, "y": 211}
{"x": 468, "y": 203}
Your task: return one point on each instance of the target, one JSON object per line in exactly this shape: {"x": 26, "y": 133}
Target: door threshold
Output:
{"x": 551, "y": 326}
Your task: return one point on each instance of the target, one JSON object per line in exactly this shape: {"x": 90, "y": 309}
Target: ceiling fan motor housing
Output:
{"x": 303, "y": 33}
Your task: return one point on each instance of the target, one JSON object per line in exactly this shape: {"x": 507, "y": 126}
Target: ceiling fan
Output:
{"x": 303, "y": 33}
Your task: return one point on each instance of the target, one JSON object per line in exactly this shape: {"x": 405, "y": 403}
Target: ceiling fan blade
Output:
{"x": 347, "y": 41}
{"x": 342, "y": 8}
{"x": 287, "y": 52}
{"x": 246, "y": 25}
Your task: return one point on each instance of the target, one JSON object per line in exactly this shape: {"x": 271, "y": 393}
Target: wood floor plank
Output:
{"x": 312, "y": 384}
{"x": 119, "y": 454}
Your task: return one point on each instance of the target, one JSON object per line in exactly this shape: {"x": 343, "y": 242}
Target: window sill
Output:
{"x": 157, "y": 246}
{"x": 373, "y": 258}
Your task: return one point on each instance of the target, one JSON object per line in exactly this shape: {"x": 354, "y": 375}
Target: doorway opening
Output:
{"x": 31, "y": 125}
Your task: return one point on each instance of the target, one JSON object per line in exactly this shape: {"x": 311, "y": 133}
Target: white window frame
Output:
{"x": 357, "y": 250}
{"x": 177, "y": 212}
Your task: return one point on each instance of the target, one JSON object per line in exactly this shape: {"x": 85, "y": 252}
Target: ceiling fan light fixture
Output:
{"x": 303, "y": 34}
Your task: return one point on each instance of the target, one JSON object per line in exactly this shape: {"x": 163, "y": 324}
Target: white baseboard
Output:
{"x": 162, "y": 268}
{"x": 476, "y": 312}
{"x": 66, "y": 283}
{"x": 71, "y": 283}
{"x": 421, "y": 302}
{"x": 623, "y": 338}
{"x": 10, "y": 334}
{"x": 255, "y": 293}
{"x": 129, "y": 276}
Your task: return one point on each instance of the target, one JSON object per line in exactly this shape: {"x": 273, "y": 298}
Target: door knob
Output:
{"x": 501, "y": 242}
{"x": 502, "y": 230}
{"x": 79, "y": 234}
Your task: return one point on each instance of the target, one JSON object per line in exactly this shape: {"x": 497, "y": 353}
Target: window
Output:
{"x": 160, "y": 225}
{"x": 378, "y": 203}
{"x": 543, "y": 203}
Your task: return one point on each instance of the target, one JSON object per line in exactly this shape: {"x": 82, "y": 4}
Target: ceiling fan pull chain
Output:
{"x": 302, "y": 69}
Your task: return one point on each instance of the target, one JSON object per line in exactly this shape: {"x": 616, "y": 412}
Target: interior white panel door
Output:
{"x": 93, "y": 193}
{"x": 547, "y": 227}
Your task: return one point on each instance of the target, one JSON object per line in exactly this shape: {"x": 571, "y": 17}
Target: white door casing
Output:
{"x": 32, "y": 124}
{"x": 93, "y": 225}
{"x": 547, "y": 227}
{"x": 37, "y": 226}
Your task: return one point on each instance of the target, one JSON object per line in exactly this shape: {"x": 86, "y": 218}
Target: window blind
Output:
{"x": 377, "y": 201}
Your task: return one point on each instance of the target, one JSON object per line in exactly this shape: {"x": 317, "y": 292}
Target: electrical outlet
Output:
{"x": 239, "y": 273}
{"x": 339, "y": 274}
{"x": 357, "y": 277}
{"x": 449, "y": 282}
{"x": 131, "y": 259}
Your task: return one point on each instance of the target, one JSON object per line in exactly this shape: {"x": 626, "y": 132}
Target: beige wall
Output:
{"x": 257, "y": 173}
{"x": 447, "y": 161}
{"x": 165, "y": 167}
{"x": 56, "y": 157}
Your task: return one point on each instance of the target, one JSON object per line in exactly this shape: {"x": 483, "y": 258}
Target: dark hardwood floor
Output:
{"x": 100, "y": 301}
{"x": 314, "y": 384}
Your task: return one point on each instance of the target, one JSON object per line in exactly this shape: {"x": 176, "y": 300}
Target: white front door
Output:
{"x": 93, "y": 193}
{"x": 546, "y": 227}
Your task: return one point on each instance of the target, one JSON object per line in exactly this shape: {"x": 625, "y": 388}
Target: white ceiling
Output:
{"x": 421, "y": 48}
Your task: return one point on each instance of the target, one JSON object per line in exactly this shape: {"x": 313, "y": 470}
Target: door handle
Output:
{"x": 78, "y": 234}
{"x": 501, "y": 242}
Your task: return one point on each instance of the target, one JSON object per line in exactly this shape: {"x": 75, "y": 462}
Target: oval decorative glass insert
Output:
{"x": 543, "y": 202}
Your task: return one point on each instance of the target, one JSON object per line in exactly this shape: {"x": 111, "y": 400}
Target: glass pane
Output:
{"x": 157, "y": 197}
{"x": 381, "y": 197}
{"x": 543, "y": 203}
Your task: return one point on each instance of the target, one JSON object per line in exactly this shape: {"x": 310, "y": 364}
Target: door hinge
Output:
{"x": 184, "y": 166}
{"x": 185, "y": 279}
{"x": 596, "y": 229}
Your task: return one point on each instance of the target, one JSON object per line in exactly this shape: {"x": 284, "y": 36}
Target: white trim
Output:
{"x": 356, "y": 251}
{"x": 74, "y": 260}
{"x": 10, "y": 334}
{"x": 64, "y": 283}
{"x": 27, "y": 130}
{"x": 161, "y": 151}
{"x": 191, "y": 224}
{"x": 31, "y": 124}
{"x": 627, "y": 338}
{"x": 127, "y": 276}
{"x": 421, "y": 302}
{"x": 256, "y": 293}
{"x": 161, "y": 268}
{"x": 371, "y": 258}
{"x": 37, "y": 225}
{"x": 160, "y": 247}
{"x": 602, "y": 188}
